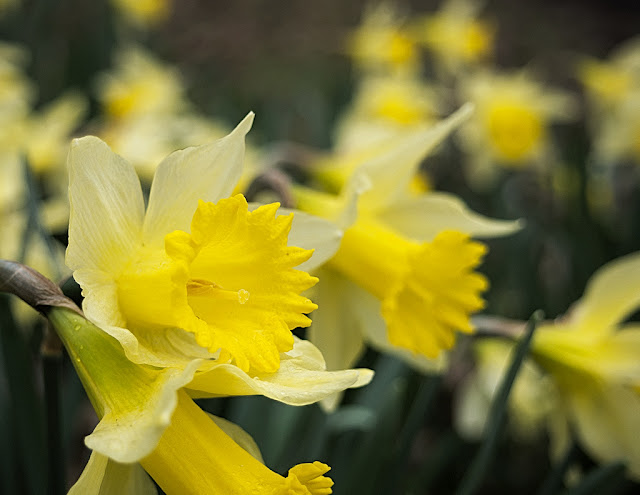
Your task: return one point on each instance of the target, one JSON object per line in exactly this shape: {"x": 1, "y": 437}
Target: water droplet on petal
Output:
{"x": 243, "y": 296}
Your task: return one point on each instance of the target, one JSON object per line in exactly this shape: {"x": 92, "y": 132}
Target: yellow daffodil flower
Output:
{"x": 403, "y": 278}
{"x": 198, "y": 288}
{"x": 511, "y": 122}
{"x": 140, "y": 85}
{"x": 143, "y": 13}
{"x": 608, "y": 82}
{"x": 454, "y": 35}
{"x": 384, "y": 107}
{"x": 594, "y": 360}
{"x": 380, "y": 44}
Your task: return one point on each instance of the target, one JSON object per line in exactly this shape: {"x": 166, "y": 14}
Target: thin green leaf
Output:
{"x": 479, "y": 467}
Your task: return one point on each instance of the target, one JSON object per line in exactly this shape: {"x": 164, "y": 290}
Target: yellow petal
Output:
{"x": 422, "y": 218}
{"x": 300, "y": 380}
{"x": 368, "y": 311}
{"x": 208, "y": 172}
{"x": 107, "y": 208}
{"x": 607, "y": 419}
{"x": 194, "y": 456}
{"x": 313, "y": 233}
{"x": 391, "y": 173}
{"x": 101, "y": 476}
{"x": 334, "y": 330}
{"x": 610, "y": 295}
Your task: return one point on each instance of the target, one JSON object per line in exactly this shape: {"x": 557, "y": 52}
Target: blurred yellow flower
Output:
{"x": 143, "y": 13}
{"x": 146, "y": 114}
{"x": 403, "y": 278}
{"x": 594, "y": 360}
{"x": 384, "y": 107}
{"x": 511, "y": 122}
{"x": 381, "y": 43}
{"x": 140, "y": 85}
{"x": 454, "y": 34}
{"x": 609, "y": 82}
{"x": 42, "y": 138}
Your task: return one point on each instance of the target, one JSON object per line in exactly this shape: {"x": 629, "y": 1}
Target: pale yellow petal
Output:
{"x": 301, "y": 379}
{"x": 612, "y": 294}
{"x": 102, "y": 476}
{"x": 312, "y": 232}
{"x": 208, "y": 172}
{"x": 336, "y": 330}
{"x": 391, "y": 172}
{"x": 422, "y": 218}
{"x": 107, "y": 208}
{"x": 607, "y": 420}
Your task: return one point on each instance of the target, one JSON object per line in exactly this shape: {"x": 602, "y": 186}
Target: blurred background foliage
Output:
{"x": 287, "y": 62}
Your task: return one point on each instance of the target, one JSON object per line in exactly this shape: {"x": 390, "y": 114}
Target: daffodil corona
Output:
{"x": 230, "y": 282}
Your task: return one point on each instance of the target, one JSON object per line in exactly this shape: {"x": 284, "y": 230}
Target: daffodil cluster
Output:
{"x": 211, "y": 269}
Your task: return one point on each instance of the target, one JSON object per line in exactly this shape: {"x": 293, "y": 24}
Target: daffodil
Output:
{"x": 454, "y": 35}
{"x": 200, "y": 290}
{"x": 381, "y": 43}
{"x": 384, "y": 107}
{"x": 608, "y": 82}
{"x": 593, "y": 357}
{"x": 510, "y": 127}
{"x": 143, "y": 13}
{"x": 140, "y": 85}
{"x": 612, "y": 88}
{"x": 404, "y": 277}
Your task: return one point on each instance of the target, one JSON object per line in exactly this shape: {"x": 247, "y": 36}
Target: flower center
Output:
{"x": 230, "y": 282}
{"x": 515, "y": 130}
